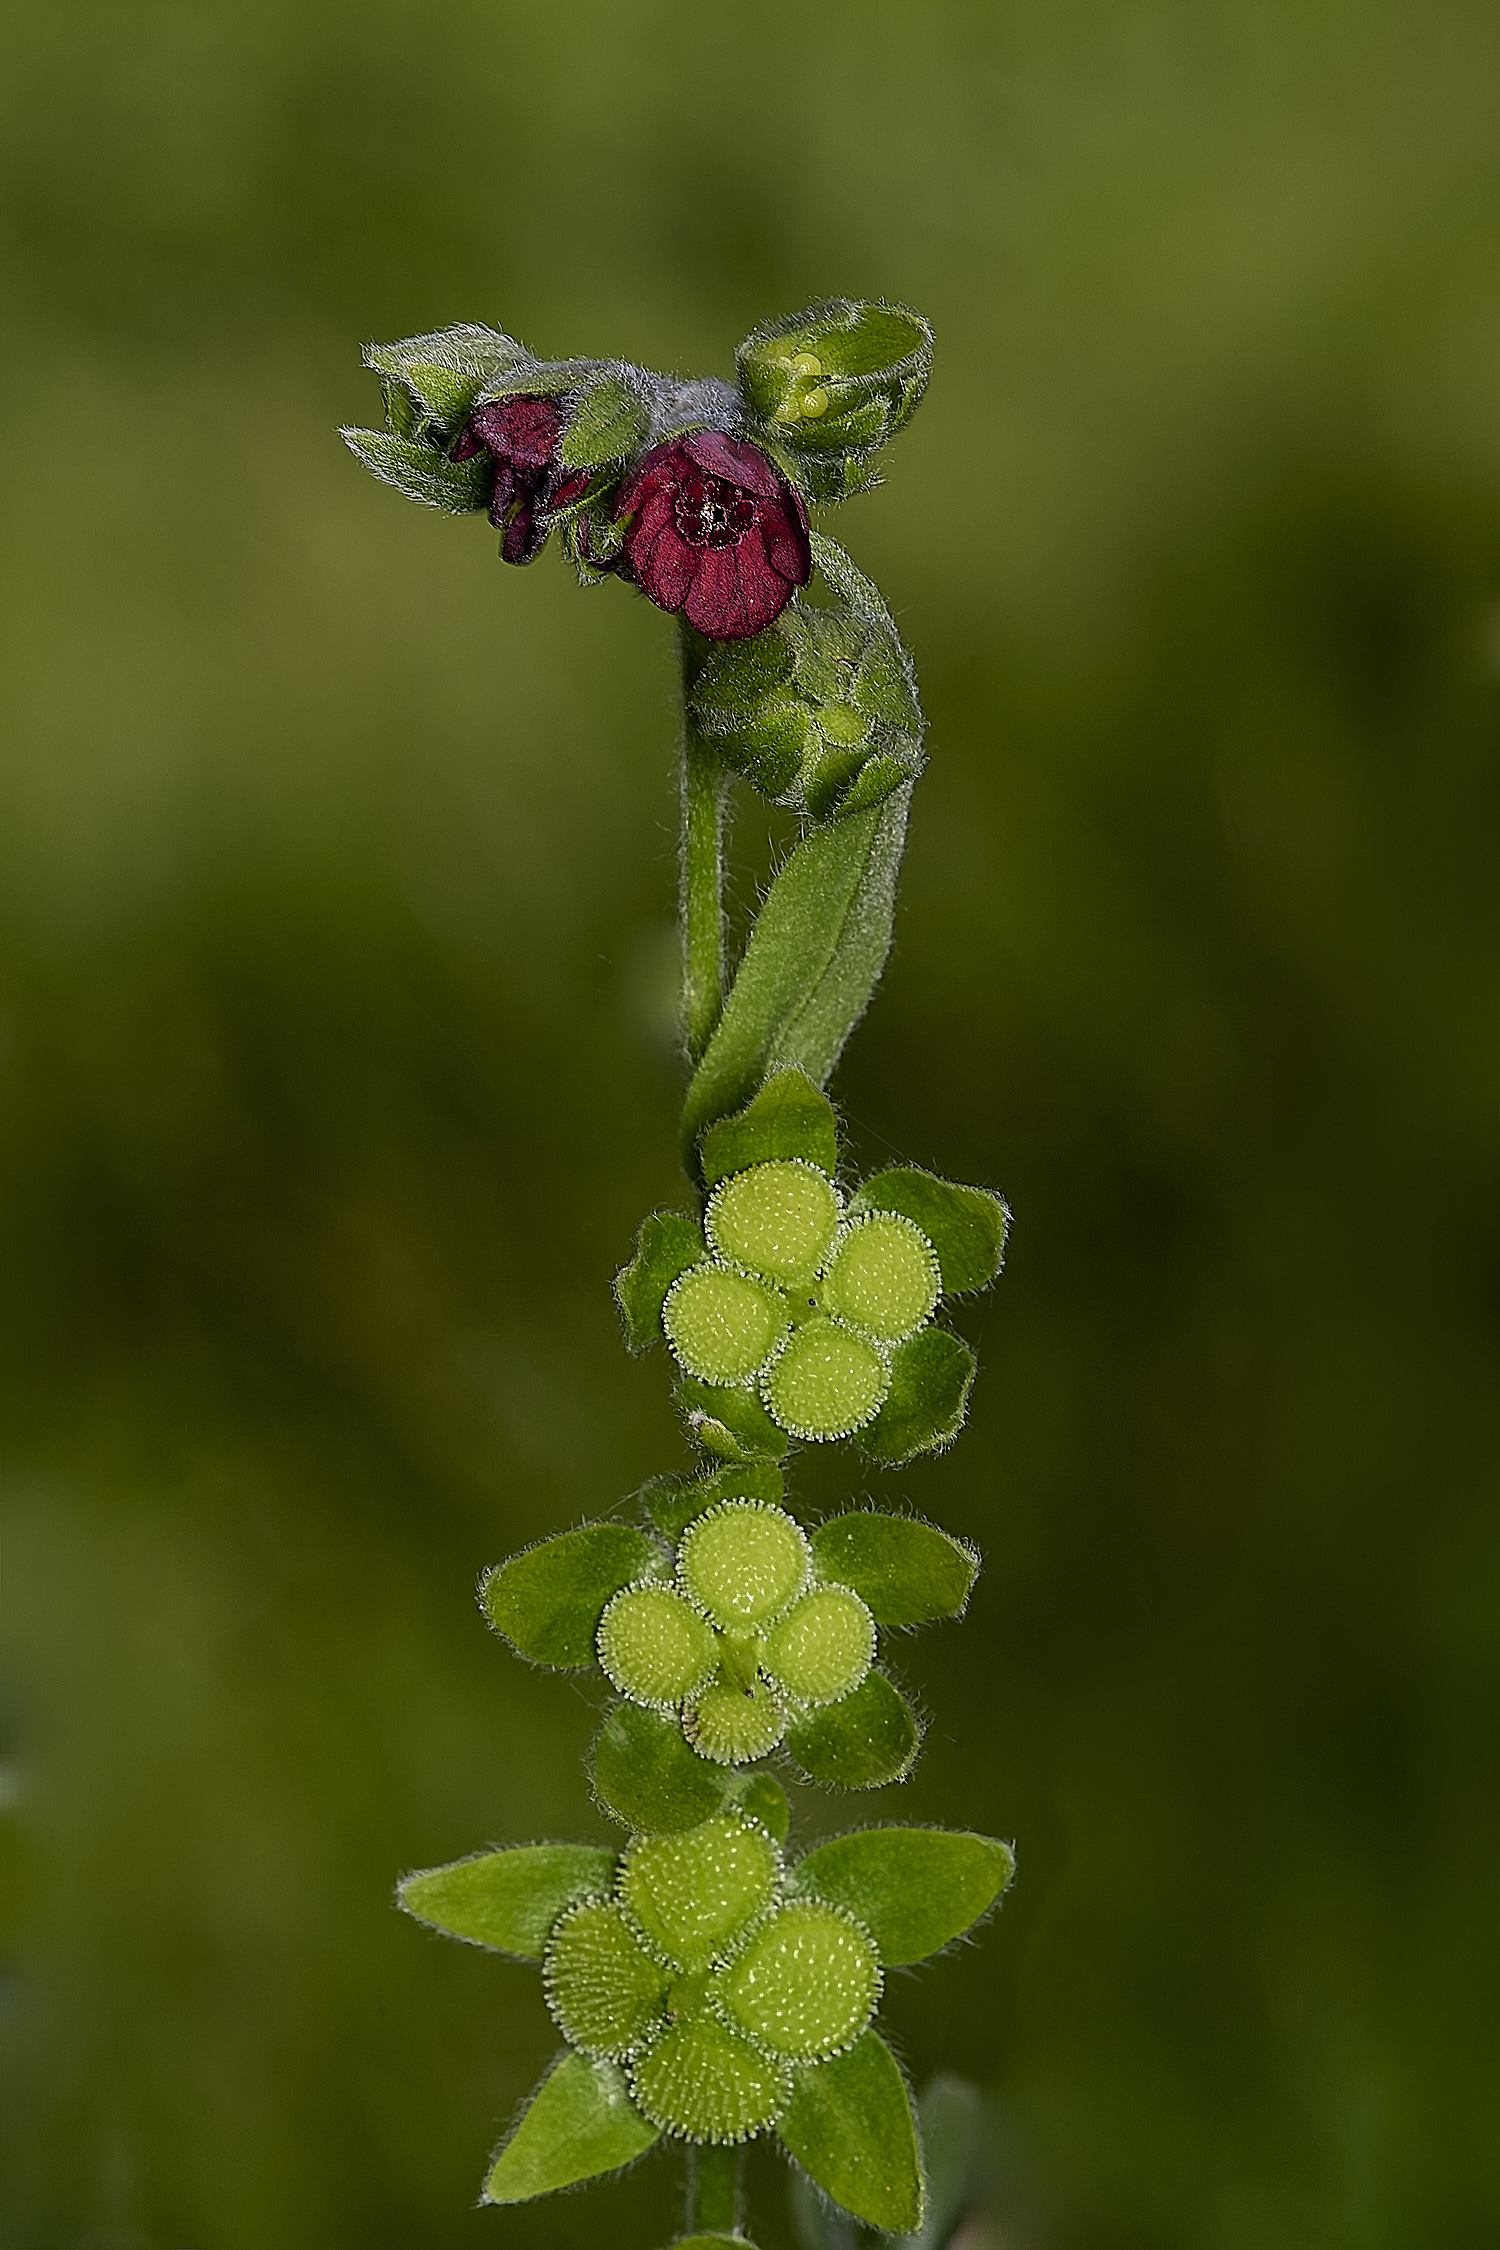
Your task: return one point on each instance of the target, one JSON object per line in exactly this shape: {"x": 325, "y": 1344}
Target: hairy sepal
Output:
{"x": 967, "y": 1226}
{"x": 460, "y": 488}
{"x": 865, "y": 1741}
{"x": 547, "y": 1601}
{"x": 906, "y": 1571}
{"x": 851, "y": 2127}
{"x": 673, "y": 1502}
{"x": 925, "y": 1408}
{"x": 730, "y": 1423}
{"x": 441, "y": 377}
{"x": 666, "y": 1245}
{"x": 647, "y": 1777}
{"x": 790, "y": 1118}
{"x": 914, "y": 1889}
{"x": 580, "y": 2122}
{"x": 507, "y": 1900}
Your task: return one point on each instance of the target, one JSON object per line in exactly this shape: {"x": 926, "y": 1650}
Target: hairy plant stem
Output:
{"x": 704, "y": 789}
{"x": 715, "y": 2189}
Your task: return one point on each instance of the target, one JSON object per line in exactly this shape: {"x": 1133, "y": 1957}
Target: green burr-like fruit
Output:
{"x": 694, "y": 1894}
{"x": 704, "y": 2082}
{"x": 827, "y": 1383}
{"x": 605, "y": 1991}
{"x": 655, "y": 1647}
{"x": 744, "y": 1563}
{"x": 722, "y": 1325}
{"x": 883, "y": 1277}
{"x": 807, "y": 1984}
{"x": 823, "y": 1647}
{"x": 733, "y": 1724}
{"x": 778, "y": 1219}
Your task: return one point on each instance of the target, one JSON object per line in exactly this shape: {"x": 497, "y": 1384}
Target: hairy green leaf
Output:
{"x": 667, "y": 1244}
{"x": 914, "y": 1889}
{"x": 861, "y": 1742}
{"x": 421, "y": 472}
{"x": 673, "y": 1502}
{"x": 548, "y": 1600}
{"x": 443, "y": 374}
{"x": 906, "y": 1572}
{"x": 966, "y": 1226}
{"x": 645, "y": 1774}
{"x": 580, "y": 2121}
{"x": 813, "y": 960}
{"x": 762, "y": 1798}
{"x": 850, "y": 2126}
{"x": 609, "y": 421}
{"x": 931, "y": 1377}
{"x": 731, "y": 1423}
{"x": 507, "y": 1900}
{"x": 789, "y": 1117}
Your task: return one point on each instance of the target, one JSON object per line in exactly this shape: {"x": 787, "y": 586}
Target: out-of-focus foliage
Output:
{"x": 337, "y": 882}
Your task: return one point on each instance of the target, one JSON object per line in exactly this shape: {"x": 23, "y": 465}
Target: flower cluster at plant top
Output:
{"x": 800, "y": 1302}
{"x": 706, "y": 1983}
{"x": 748, "y": 1636}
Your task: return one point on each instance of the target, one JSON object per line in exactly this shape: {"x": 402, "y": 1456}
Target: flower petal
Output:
{"x": 744, "y": 465}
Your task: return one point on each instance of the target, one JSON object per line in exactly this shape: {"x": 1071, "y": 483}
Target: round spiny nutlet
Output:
{"x": 827, "y": 1382}
{"x": 744, "y": 1563}
{"x": 823, "y": 1647}
{"x": 807, "y": 1983}
{"x": 732, "y": 1724}
{"x": 703, "y": 2082}
{"x": 883, "y": 1277}
{"x": 694, "y": 1894}
{"x": 778, "y": 1220}
{"x": 606, "y": 1993}
{"x": 655, "y": 1646}
{"x": 721, "y": 1325}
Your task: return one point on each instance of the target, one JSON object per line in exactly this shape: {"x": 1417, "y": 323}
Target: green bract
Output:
{"x": 709, "y": 1988}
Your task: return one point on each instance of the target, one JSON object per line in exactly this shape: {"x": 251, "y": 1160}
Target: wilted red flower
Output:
{"x": 530, "y": 487}
{"x": 718, "y": 534}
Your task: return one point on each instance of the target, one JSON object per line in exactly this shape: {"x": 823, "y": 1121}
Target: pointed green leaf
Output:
{"x": 646, "y": 1775}
{"x": 421, "y": 472}
{"x": 667, "y": 1244}
{"x": 906, "y": 1572}
{"x": 507, "y": 1900}
{"x": 731, "y": 1423}
{"x": 580, "y": 2121}
{"x": 608, "y": 422}
{"x": 966, "y": 1226}
{"x": 878, "y": 778}
{"x": 674, "y": 1502}
{"x": 814, "y": 958}
{"x": 548, "y": 1600}
{"x": 789, "y": 1117}
{"x": 849, "y": 2124}
{"x": 931, "y": 1377}
{"x": 861, "y": 1742}
{"x": 914, "y": 1889}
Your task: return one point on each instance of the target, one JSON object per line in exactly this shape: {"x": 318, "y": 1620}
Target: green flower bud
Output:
{"x": 605, "y": 1991}
{"x": 883, "y": 1277}
{"x": 806, "y": 1985}
{"x": 835, "y": 382}
{"x": 778, "y": 1219}
{"x": 827, "y": 1382}
{"x": 722, "y": 1325}
{"x": 694, "y": 1894}
{"x": 655, "y": 1647}
{"x": 704, "y": 2082}
{"x": 744, "y": 1563}
{"x": 823, "y": 1647}
{"x": 734, "y": 1724}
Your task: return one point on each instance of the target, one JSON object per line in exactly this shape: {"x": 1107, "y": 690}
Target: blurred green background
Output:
{"x": 336, "y": 865}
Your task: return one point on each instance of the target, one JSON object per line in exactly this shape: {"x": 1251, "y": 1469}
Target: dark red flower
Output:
{"x": 530, "y": 487}
{"x": 718, "y": 534}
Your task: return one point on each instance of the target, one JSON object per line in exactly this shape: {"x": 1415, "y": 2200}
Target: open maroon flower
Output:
{"x": 530, "y": 487}
{"x": 718, "y": 534}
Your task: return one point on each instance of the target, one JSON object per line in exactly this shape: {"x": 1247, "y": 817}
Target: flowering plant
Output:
{"x": 709, "y": 1988}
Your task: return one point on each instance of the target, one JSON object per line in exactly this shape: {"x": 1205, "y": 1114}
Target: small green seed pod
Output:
{"x": 605, "y": 1991}
{"x": 733, "y": 1725}
{"x": 694, "y": 1894}
{"x": 823, "y": 1647}
{"x": 883, "y": 1278}
{"x": 722, "y": 1326}
{"x": 807, "y": 1984}
{"x": 777, "y": 1219}
{"x": 655, "y": 1647}
{"x": 703, "y": 2082}
{"x": 744, "y": 1563}
{"x": 827, "y": 1382}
